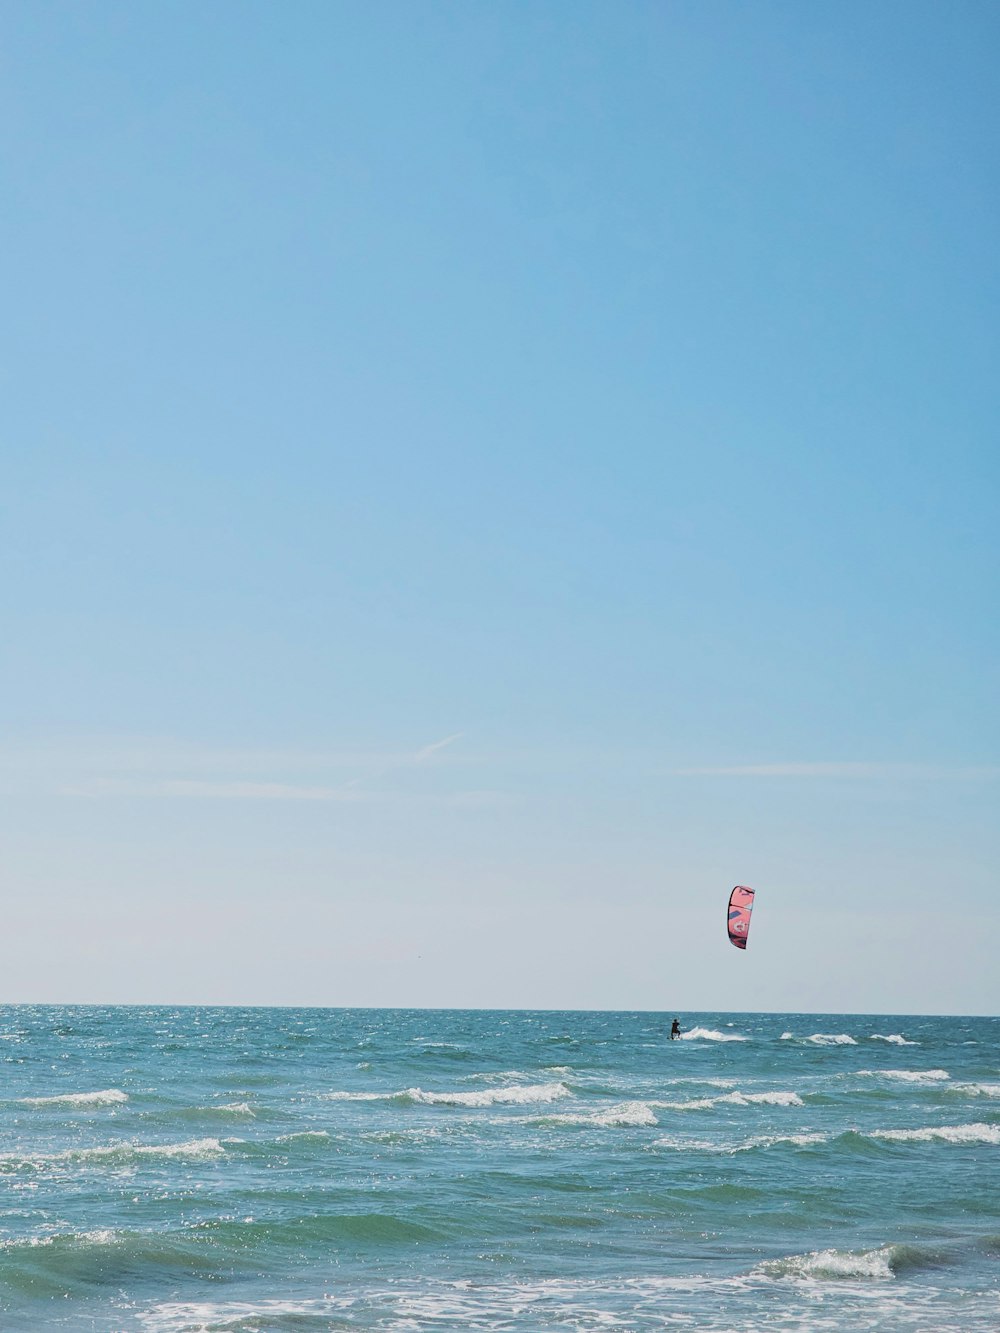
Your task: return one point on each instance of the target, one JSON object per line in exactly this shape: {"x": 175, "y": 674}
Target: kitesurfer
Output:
{"x": 675, "y": 1029}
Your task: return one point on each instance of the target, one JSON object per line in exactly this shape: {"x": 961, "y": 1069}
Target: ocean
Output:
{"x": 166, "y": 1170}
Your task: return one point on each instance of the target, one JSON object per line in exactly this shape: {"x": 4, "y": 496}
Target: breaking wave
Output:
{"x": 976, "y": 1089}
{"x": 894, "y": 1038}
{"x": 978, "y": 1133}
{"x": 627, "y": 1115}
{"x": 524, "y": 1094}
{"x": 735, "y": 1099}
{"x": 832, "y": 1265}
{"x": 121, "y": 1154}
{"x": 804, "y": 1140}
{"x": 710, "y": 1034}
{"x": 851, "y": 1139}
{"x": 109, "y": 1097}
{"x": 907, "y": 1075}
{"x": 358, "y": 1096}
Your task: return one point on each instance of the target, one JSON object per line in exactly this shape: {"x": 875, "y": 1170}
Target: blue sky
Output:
{"x": 479, "y": 481}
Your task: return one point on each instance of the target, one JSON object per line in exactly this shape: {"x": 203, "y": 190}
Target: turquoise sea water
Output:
{"x": 165, "y": 1170}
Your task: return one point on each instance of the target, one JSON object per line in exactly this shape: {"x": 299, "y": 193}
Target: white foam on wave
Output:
{"x": 420, "y": 1134}
{"x": 107, "y": 1097}
{"x": 680, "y": 1143}
{"x": 803, "y": 1140}
{"x": 514, "y": 1075}
{"x": 521, "y": 1094}
{"x": 696, "y": 1104}
{"x": 907, "y": 1075}
{"x": 979, "y": 1133}
{"x": 526, "y": 1094}
{"x": 822, "y": 1038}
{"x": 193, "y": 1148}
{"x": 357, "y": 1096}
{"x": 304, "y": 1136}
{"x": 894, "y": 1038}
{"x": 727, "y": 1083}
{"x": 957, "y": 1134}
{"x": 820, "y": 1265}
{"x": 199, "y": 1316}
{"x": 863, "y": 1298}
{"x": 775, "y": 1098}
{"x": 101, "y": 1236}
{"x": 976, "y": 1089}
{"x": 625, "y": 1115}
{"x": 120, "y": 1153}
{"x": 710, "y": 1034}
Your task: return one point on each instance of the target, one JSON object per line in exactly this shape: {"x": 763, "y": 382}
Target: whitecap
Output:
{"x": 728, "y": 1147}
{"x": 832, "y": 1039}
{"x": 625, "y": 1115}
{"x": 522, "y": 1095}
{"x": 696, "y": 1104}
{"x": 101, "y": 1236}
{"x": 978, "y": 1133}
{"x": 907, "y": 1075}
{"x": 108, "y": 1097}
{"x": 803, "y": 1140}
{"x": 710, "y": 1034}
{"x": 776, "y": 1098}
{"x": 764, "y": 1098}
{"x": 357, "y": 1096}
{"x": 894, "y": 1038}
{"x": 976, "y": 1089}
{"x": 193, "y": 1148}
{"x": 680, "y": 1144}
{"x": 828, "y": 1265}
{"x": 123, "y": 1153}
{"x": 512, "y": 1075}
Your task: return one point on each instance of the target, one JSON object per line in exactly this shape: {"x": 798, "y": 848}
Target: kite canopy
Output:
{"x": 740, "y": 907}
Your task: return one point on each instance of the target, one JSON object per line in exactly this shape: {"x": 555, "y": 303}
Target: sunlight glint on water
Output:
{"x": 171, "y": 1170}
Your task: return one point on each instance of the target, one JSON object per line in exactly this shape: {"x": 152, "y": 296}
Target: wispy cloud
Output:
{"x": 434, "y": 746}
{"x": 170, "y": 770}
{"x": 160, "y": 755}
{"x": 858, "y": 770}
{"x": 206, "y": 790}
{"x": 276, "y": 791}
{"x": 405, "y": 761}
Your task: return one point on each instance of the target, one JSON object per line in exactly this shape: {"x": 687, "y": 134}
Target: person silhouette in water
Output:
{"x": 675, "y": 1029}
